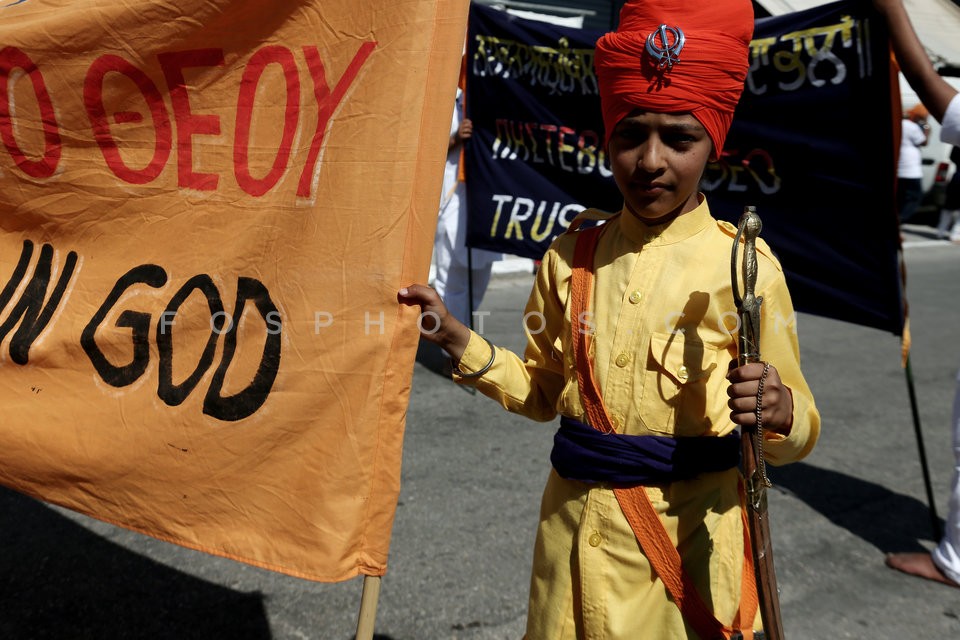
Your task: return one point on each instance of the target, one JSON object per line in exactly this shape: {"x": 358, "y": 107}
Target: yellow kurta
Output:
{"x": 664, "y": 322}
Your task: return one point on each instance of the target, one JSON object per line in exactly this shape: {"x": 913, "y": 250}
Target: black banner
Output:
{"x": 536, "y": 158}
{"x": 811, "y": 147}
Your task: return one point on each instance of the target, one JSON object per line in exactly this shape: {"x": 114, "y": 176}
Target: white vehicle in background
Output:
{"x": 937, "y": 168}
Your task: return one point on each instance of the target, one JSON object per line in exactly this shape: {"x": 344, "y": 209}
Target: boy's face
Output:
{"x": 657, "y": 161}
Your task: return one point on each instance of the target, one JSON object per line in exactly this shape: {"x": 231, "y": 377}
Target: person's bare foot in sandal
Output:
{"x": 920, "y": 565}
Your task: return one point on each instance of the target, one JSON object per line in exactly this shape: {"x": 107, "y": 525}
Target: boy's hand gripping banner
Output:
{"x": 207, "y": 209}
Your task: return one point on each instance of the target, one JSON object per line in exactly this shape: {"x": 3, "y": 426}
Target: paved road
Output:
{"x": 472, "y": 477}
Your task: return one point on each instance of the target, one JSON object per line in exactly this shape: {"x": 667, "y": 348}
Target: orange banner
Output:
{"x": 207, "y": 208}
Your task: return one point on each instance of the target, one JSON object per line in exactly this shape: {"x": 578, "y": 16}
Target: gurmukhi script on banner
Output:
{"x": 207, "y": 209}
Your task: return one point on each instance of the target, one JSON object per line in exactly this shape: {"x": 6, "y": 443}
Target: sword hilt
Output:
{"x": 748, "y": 305}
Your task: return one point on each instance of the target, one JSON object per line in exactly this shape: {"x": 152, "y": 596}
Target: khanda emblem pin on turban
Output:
{"x": 664, "y": 46}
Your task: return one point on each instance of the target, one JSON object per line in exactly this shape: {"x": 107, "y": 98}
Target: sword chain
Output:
{"x": 758, "y": 433}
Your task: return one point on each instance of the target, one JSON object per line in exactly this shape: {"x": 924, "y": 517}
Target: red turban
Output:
{"x": 674, "y": 56}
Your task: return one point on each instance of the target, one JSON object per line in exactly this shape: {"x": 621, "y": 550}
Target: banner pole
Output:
{"x": 934, "y": 518}
{"x": 470, "y": 308}
{"x": 367, "y": 618}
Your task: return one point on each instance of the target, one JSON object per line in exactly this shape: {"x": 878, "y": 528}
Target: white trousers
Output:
{"x": 949, "y": 226}
{"x": 452, "y": 281}
{"x": 947, "y": 554}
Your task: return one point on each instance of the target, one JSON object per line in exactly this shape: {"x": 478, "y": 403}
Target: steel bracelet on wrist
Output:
{"x": 482, "y": 370}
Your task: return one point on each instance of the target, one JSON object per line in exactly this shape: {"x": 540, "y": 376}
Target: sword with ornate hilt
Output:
{"x": 751, "y": 439}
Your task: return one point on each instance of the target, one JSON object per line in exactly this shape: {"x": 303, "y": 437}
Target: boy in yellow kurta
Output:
{"x": 654, "y": 336}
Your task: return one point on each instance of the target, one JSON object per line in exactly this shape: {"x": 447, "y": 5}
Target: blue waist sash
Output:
{"x": 580, "y": 452}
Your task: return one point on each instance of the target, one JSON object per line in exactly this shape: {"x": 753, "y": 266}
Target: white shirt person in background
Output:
{"x": 913, "y": 135}
{"x": 453, "y": 278}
